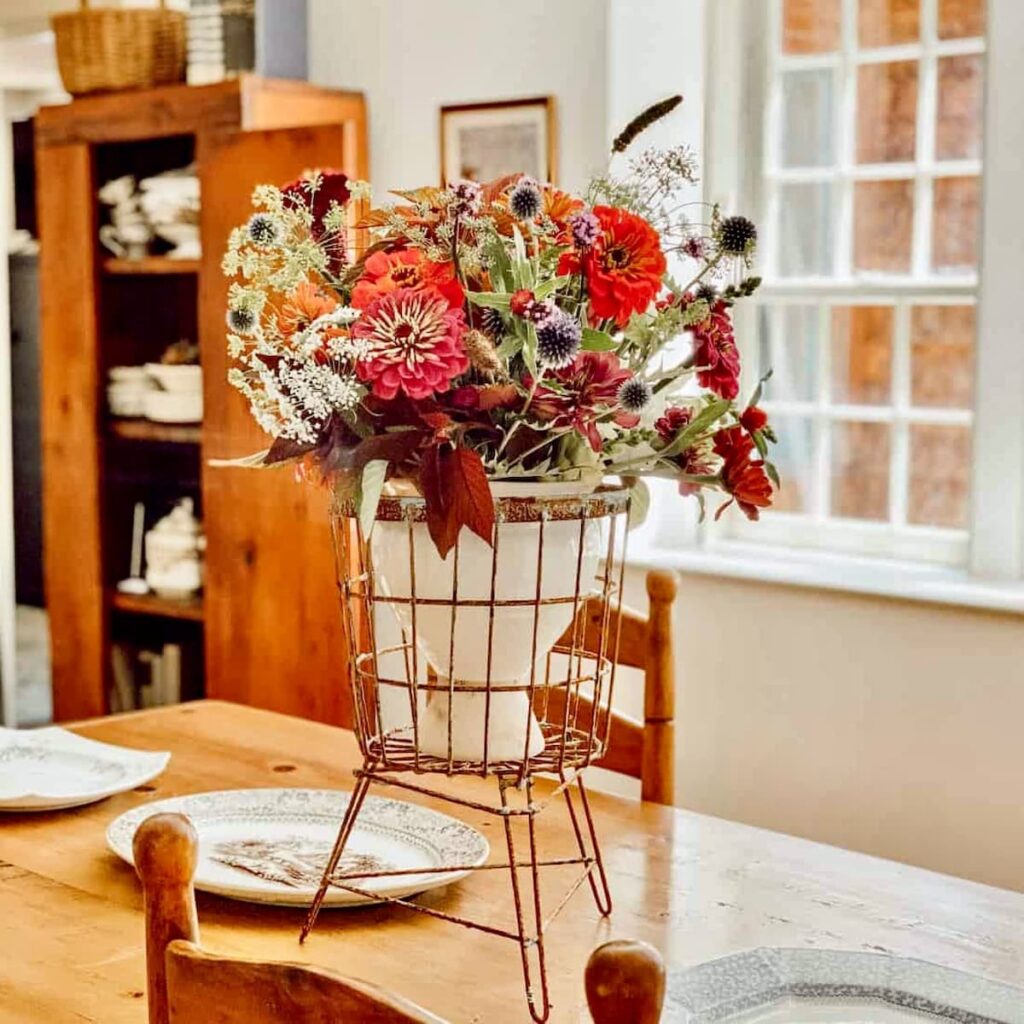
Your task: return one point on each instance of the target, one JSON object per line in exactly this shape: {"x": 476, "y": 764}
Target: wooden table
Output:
{"x": 696, "y": 887}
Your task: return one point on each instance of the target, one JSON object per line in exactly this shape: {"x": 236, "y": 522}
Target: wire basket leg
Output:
{"x": 538, "y": 1013}
{"x": 598, "y": 885}
{"x": 347, "y": 824}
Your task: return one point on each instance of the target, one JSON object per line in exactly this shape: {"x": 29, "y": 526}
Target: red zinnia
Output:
{"x": 698, "y": 459}
{"x": 386, "y": 272}
{"x": 623, "y": 269}
{"x": 589, "y": 387}
{"x": 715, "y": 353}
{"x": 743, "y": 478}
{"x": 413, "y": 342}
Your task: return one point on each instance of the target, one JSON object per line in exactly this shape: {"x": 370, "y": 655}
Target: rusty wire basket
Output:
{"x": 497, "y": 661}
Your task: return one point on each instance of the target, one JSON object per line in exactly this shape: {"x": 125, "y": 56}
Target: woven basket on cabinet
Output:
{"x": 107, "y": 48}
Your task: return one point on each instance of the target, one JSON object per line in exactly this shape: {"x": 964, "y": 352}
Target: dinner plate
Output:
{"x": 270, "y": 845}
{"x": 52, "y": 769}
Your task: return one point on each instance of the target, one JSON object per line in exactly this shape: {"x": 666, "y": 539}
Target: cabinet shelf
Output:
{"x": 190, "y": 609}
{"x": 163, "y": 433}
{"x": 151, "y": 265}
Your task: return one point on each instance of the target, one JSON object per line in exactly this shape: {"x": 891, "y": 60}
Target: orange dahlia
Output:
{"x": 405, "y": 268}
{"x": 623, "y": 269}
{"x": 301, "y": 307}
{"x": 413, "y": 342}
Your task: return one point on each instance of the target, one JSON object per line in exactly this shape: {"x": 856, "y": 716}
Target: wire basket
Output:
{"x": 105, "y": 49}
{"x": 496, "y": 659}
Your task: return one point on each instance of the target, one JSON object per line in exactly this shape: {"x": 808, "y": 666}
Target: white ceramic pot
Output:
{"x": 514, "y": 655}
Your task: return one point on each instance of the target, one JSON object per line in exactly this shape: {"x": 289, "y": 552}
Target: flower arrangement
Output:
{"x": 499, "y": 331}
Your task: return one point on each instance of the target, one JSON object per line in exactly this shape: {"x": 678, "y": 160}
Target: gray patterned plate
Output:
{"x": 815, "y": 986}
{"x": 52, "y": 769}
{"x": 270, "y": 845}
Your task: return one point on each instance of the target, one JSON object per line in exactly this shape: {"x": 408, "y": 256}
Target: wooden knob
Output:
{"x": 166, "y": 850}
{"x": 625, "y": 981}
{"x": 662, "y": 586}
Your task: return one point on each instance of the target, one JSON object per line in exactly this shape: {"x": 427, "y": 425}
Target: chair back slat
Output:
{"x": 206, "y": 989}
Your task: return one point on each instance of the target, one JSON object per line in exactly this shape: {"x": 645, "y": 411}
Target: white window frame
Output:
{"x": 985, "y": 566}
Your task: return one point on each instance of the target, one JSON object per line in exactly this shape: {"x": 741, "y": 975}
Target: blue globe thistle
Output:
{"x": 264, "y": 229}
{"x": 586, "y": 229}
{"x": 558, "y": 340}
{"x": 241, "y": 320}
{"x": 525, "y": 200}
{"x": 492, "y": 323}
{"x": 635, "y": 395}
{"x": 737, "y": 235}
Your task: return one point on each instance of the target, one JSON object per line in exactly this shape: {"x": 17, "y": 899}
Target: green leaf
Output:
{"x": 755, "y": 398}
{"x": 712, "y": 412}
{"x": 493, "y": 300}
{"x": 519, "y": 244}
{"x": 773, "y": 473}
{"x": 597, "y": 341}
{"x": 545, "y": 288}
{"x": 501, "y": 265}
{"x": 370, "y": 486}
{"x": 760, "y": 444}
{"x": 639, "y": 501}
{"x": 530, "y": 350}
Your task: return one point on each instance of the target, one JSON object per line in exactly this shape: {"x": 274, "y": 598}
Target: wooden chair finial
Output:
{"x": 166, "y": 851}
{"x": 625, "y": 981}
{"x": 662, "y": 586}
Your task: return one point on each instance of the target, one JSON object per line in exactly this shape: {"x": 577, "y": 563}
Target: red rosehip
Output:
{"x": 520, "y": 301}
{"x": 753, "y": 419}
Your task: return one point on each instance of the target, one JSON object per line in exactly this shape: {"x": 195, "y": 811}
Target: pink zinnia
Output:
{"x": 414, "y": 343}
{"x": 715, "y": 353}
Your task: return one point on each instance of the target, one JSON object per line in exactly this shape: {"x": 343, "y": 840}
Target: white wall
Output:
{"x": 410, "y": 57}
{"x": 885, "y": 726}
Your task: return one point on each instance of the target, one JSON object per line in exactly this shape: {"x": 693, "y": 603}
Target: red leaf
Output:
{"x": 454, "y": 486}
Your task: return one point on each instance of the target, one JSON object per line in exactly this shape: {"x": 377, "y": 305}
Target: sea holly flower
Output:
{"x": 635, "y": 395}
{"x": 525, "y": 200}
{"x": 558, "y": 339}
{"x": 414, "y": 343}
{"x": 386, "y": 272}
{"x": 623, "y": 269}
{"x": 715, "y": 353}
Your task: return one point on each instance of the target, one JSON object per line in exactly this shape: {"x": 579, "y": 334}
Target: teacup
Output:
{"x": 118, "y": 190}
{"x": 127, "y": 241}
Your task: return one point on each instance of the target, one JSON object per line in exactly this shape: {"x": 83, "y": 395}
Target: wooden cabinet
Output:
{"x": 268, "y": 621}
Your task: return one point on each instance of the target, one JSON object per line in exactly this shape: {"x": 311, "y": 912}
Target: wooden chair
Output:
{"x": 624, "y": 980}
{"x": 642, "y": 750}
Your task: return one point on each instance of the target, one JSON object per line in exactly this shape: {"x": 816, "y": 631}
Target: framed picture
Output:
{"x": 483, "y": 141}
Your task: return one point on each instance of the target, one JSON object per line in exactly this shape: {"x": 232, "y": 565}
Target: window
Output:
{"x": 868, "y": 115}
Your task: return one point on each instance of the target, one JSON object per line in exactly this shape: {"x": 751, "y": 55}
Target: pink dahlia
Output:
{"x": 715, "y": 353}
{"x": 584, "y": 390}
{"x": 413, "y": 343}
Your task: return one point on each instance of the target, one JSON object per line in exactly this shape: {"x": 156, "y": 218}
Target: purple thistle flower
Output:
{"x": 525, "y": 200}
{"x": 466, "y": 198}
{"x": 558, "y": 340}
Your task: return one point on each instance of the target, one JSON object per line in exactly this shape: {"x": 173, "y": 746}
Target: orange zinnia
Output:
{"x": 386, "y": 272}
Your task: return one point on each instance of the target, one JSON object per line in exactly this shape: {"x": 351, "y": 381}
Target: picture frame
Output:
{"x": 484, "y": 141}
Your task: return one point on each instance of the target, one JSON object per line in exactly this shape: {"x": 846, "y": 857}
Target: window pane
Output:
{"x": 860, "y": 470}
{"x": 883, "y": 226}
{"x": 808, "y": 139}
{"x": 886, "y": 112}
{"x": 942, "y": 356}
{"x": 940, "y": 477}
{"x": 793, "y": 458}
{"x": 958, "y": 124}
{"x": 805, "y": 230}
{"x": 810, "y": 26}
{"x": 958, "y": 18}
{"x": 792, "y": 356}
{"x": 888, "y": 22}
{"x": 955, "y": 224}
{"x": 862, "y": 355}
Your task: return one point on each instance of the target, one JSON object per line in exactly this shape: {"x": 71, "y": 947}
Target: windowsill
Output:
{"x": 907, "y": 581}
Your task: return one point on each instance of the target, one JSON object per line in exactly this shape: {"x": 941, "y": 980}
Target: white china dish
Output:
{"x": 51, "y": 769}
{"x": 174, "y": 406}
{"x": 177, "y": 376}
{"x": 269, "y": 845}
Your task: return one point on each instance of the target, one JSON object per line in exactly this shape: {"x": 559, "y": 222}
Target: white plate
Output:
{"x": 270, "y": 845}
{"x": 51, "y": 769}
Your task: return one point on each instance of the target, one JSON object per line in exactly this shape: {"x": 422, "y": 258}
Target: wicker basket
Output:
{"x": 107, "y": 48}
